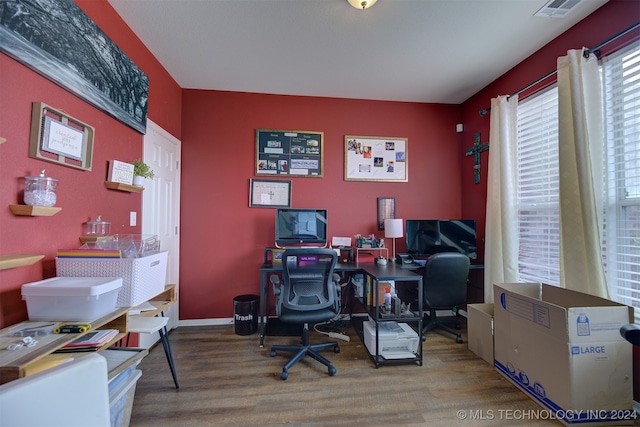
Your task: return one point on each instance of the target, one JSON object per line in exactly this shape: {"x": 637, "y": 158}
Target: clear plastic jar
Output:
{"x": 40, "y": 190}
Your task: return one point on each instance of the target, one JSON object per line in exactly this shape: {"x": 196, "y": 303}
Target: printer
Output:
{"x": 395, "y": 340}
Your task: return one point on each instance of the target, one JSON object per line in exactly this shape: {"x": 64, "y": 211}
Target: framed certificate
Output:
{"x": 270, "y": 193}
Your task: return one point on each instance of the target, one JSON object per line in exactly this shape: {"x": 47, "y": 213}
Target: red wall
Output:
{"x": 223, "y": 238}
{"x": 611, "y": 19}
{"x": 81, "y": 194}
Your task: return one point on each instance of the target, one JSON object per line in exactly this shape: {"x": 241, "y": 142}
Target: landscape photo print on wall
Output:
{"x": 58, "y": 40}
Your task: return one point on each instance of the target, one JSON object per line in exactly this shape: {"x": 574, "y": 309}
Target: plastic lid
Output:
{"x": 72, "y": 286}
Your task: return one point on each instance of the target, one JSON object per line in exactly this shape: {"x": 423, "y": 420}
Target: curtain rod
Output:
{"x": 587, "y": 52}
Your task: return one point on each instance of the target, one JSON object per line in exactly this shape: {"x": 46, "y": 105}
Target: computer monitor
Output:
{"x": 429, "y": 236}
{"x": 301, "y": 227}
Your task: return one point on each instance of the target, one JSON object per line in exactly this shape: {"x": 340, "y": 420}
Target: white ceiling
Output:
{"x": 441, "y": 51}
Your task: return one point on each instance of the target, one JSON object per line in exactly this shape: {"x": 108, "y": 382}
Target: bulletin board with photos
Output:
{"x": 375, "y": 158}
{"x": 289, "y": 153}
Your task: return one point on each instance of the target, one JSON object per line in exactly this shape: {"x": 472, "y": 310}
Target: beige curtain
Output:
{"x": 581, "y": 145}
{"x": 501, "y": 229}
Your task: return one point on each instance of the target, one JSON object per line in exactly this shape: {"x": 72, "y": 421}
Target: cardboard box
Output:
{"x": 73, "y": 299}
{"x": 563, "y": 348}
{"x": 480, "y": 330}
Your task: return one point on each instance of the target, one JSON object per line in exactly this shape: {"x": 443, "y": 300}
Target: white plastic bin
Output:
{"x": 74, "y": 299}
{"x": 121, "y": 401}
{"x": 142, "y": 278}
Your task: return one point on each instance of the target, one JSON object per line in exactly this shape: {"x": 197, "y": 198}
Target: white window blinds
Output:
{"x": 621, "y": 77}
{"x": 538, "y": 203}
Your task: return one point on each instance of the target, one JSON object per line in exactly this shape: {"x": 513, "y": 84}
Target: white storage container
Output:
{"x": 142, "y": 278}
{"x": 71, "y": 299}
{"x": 121, "y": 401}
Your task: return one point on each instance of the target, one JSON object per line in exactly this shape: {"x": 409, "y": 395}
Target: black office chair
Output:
{"x": 631, "y": 333}
{"x": 444, "y": 288}
{"x": 308, "y": 294}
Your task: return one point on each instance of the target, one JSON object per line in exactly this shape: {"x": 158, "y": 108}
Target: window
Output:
{"x": 621, "y": 77}
{"x": 538, "y": 203}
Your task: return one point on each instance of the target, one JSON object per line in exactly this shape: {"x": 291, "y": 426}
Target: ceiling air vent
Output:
{"x": 557, "y": 8}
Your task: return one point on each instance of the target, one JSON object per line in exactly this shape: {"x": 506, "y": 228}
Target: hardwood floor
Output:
{"x": 228, "y": 380}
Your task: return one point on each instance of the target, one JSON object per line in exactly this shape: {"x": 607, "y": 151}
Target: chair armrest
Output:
{"x": 631, "y": 333}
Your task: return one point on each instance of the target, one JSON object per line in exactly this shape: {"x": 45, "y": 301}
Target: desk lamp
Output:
{"x": 393, "y": 229}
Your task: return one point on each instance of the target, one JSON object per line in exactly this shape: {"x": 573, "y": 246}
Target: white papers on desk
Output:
{"x": 145, "y": 306}
{"x": 341, "y": 241}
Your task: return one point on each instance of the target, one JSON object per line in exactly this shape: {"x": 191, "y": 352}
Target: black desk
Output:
{"x": 377, "y": 273}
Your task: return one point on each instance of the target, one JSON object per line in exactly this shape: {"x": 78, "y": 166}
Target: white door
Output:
{"x": 161, "y": 206}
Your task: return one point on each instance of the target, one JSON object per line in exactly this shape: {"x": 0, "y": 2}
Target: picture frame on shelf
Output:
{"x": 121, "y": 172}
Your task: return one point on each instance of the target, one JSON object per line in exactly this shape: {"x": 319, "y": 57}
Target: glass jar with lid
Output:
{"x": 97, "y": 228}
{"x": 40, "y": 190}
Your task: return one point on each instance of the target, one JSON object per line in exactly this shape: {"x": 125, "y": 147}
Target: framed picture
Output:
{"x": 375, "y": 158}
{"x": 59, "y": 138}
{"x": 73, "y": 52}
{"x": 386, "y": 210}
{"x": 265, "y": 193}
{"x": 289, "y": 153}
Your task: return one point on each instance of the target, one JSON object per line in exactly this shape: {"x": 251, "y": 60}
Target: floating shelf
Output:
{"x": 18, "y": 260}
{"x": 123, "y": 187}
{"x": 85, "y": 239}
{"x": 27, "y": 210}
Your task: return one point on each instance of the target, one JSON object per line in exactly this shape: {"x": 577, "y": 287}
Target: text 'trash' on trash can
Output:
{"x": 245, "y": 314}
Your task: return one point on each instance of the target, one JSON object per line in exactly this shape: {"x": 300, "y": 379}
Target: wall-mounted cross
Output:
{"x": 475, "y": 151}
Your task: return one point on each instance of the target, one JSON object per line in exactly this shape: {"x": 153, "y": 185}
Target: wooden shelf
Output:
{"x": 18, "y": 260}
{"x": 29, "y": 360}
{"x": 85, "y": 239}
{"x": 123, "y": 187}
{"x": 26, "y": 210}
{"x": 161, "y": 302}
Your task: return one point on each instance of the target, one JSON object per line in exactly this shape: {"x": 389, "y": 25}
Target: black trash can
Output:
{"x": 245, "y": 314}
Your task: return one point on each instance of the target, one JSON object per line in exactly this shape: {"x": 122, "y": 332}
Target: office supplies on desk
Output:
{"x": 72, "y": 328}
{"x": 404, "y": 259}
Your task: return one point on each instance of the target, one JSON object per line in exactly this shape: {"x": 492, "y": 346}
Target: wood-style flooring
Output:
{"x": 228, "y": 380}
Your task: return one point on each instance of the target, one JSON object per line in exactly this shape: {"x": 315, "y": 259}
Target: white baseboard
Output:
{"x": 206, "y": 322}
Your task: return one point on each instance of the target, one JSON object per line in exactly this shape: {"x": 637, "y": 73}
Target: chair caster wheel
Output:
{"x": 459, "y": 340}
{"x": 336, "y": 349}
{"x": 332, "y": 371}
{"x": 273, "y": 353}
{"x": 284, "y": 375}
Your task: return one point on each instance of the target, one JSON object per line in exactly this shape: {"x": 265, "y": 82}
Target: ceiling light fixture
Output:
{"x": 362, "y": 4}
